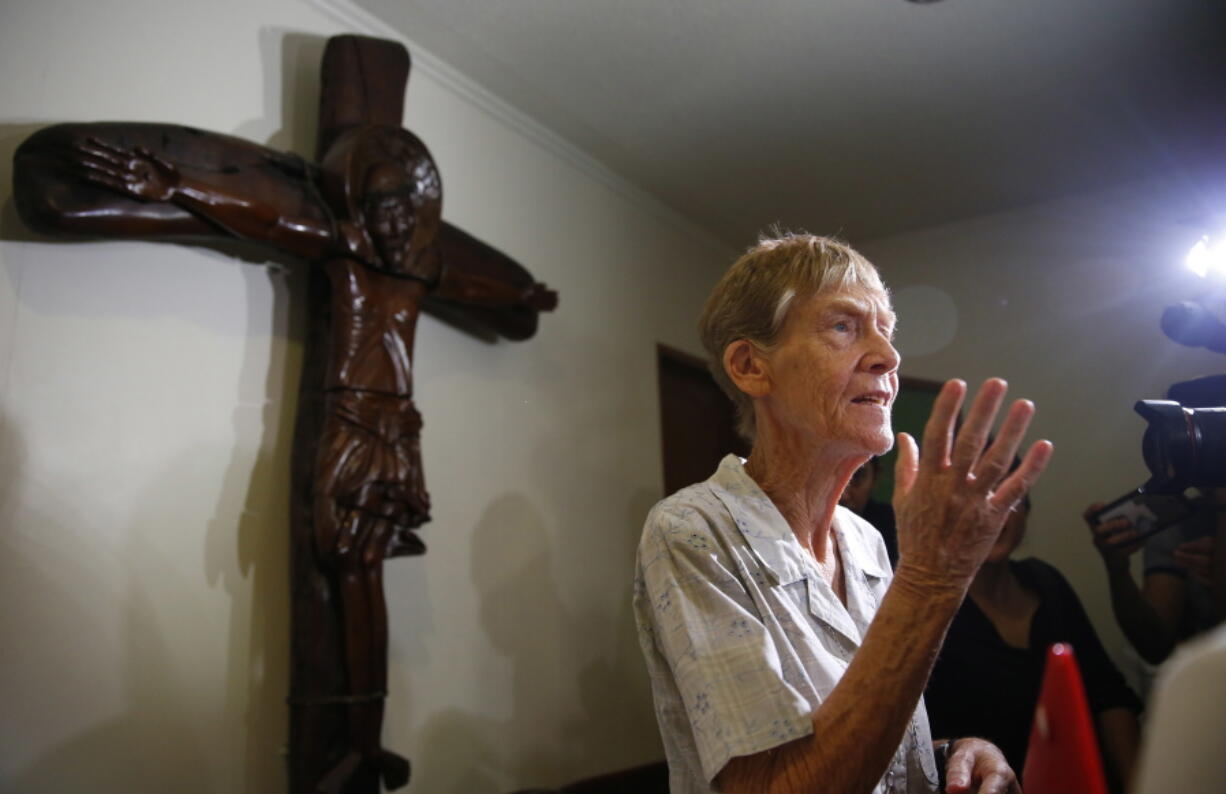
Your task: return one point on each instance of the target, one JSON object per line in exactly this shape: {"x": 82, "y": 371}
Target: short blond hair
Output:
{"x": 752, "y": 299}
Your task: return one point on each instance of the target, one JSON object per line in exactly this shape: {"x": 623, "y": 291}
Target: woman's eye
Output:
{"x": 842, "y": 326}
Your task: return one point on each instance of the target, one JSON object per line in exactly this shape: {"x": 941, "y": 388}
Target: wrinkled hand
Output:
{"x": 952, "y": 497}
{"x": 1116, "y": 540}
{"x": 1197, "y": 557}
{"x": 979, "y": 766}
{"x": 137, "y": 172}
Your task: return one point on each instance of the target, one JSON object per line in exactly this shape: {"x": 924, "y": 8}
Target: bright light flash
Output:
{"x": 1208, "y": 256}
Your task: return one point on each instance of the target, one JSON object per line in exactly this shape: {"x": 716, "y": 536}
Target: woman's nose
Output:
{"x": 884, "y": 356}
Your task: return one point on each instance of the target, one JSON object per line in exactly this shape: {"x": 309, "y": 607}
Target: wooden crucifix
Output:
{"x": 367, "y": 216}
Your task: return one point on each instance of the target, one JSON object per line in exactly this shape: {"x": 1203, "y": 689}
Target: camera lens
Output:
{"x": 1182, "y": 447}
{"x": 1209, "y": 438}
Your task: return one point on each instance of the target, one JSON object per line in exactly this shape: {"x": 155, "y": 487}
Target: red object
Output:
{"x": 1063, "y": 754}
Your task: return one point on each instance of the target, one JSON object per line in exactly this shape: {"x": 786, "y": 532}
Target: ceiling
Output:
{"x": 862, "y": 118}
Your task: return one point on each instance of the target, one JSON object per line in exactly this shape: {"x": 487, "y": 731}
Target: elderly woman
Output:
{"x": 783, "y": 655}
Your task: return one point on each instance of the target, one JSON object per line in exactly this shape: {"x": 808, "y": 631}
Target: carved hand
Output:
{"x": 541, "y": 298}
{"x": 137, "y": 172}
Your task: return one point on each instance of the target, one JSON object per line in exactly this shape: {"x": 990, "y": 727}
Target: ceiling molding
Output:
{"x": 362, "y": 21}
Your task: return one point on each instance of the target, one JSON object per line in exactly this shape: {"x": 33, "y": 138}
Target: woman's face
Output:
{"x": 834, "y": 372}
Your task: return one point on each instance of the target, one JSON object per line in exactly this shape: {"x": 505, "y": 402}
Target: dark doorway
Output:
{"x": 697, "y": 420}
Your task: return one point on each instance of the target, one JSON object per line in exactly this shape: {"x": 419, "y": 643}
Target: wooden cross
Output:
{"x": 367, "y": 216}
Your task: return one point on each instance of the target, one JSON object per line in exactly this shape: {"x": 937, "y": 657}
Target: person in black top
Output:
{"x": 987, "y": 677}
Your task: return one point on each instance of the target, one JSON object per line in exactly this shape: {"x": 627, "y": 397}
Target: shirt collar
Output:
{"x": 768, "y": 532}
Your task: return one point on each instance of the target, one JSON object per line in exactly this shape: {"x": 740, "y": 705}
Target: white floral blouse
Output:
{"x": 742, "y": 635}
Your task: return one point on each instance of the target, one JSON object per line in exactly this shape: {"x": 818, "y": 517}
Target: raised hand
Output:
{"x": 952, "y": 497}
{"x": 136, "y": 172}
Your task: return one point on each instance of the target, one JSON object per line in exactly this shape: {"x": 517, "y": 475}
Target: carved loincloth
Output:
{"x": 369, "y": 464}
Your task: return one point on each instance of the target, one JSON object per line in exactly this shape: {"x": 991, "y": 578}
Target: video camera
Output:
{"x": 1185, "y": 443}
{"x": 1184, "y": 446}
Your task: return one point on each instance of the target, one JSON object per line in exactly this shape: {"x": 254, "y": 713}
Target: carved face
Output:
{"x": 400, "y": 212}
{"x": 390, "y": 220}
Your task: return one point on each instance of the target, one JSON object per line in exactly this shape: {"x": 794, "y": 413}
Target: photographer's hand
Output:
{"x": 1116, "y": 540}
{"x": 1150, "y": 629}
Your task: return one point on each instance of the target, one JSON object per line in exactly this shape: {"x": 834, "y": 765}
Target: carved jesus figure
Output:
{"x": 369, "y": 217}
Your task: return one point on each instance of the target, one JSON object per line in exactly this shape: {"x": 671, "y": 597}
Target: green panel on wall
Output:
{"x": 911, "y": 411}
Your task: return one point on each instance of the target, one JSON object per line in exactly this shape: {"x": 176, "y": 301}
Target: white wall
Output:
{"x": 1063, "y": 301}
{"x": 146, "y": 397}
{"x": 146, "y": 412}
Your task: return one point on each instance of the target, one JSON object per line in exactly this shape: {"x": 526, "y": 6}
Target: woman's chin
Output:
{"x": 881, "y": 443}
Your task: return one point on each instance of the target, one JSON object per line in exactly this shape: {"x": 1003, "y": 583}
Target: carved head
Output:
{"x": 389, "y": 214}
{"x": 391, "y": 188}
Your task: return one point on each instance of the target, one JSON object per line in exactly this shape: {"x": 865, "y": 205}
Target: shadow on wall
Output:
{"x": 160, "y": 737}
{"x": 291, "y": 87}
{"x": 245, "y": 553}
{"x": 250, "y": 558}
{"x": 291, "y": 73}
{"x": 569, "y": 704}
{"x": 166, "y": 736}
{"x": 176, "y": 730}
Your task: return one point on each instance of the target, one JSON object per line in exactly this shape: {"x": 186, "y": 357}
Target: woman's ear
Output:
{"x": 747, "y": 367}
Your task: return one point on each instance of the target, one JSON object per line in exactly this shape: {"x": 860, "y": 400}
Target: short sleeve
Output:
{"x": 724, "y": 664}
{"x": 1159, "y": 553}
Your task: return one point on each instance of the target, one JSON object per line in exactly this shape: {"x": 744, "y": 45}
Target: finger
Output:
{"x": 906, "y": 467}
{"x": 102, "y": 168}
{"x": 108, "y": 154}
{"x": 145, "y": 154}
{"x": 939, "y": 431}
{"x": 958, "y": 772}
{"x": 1088, "y": 513}
{"x": 994, "y": 463}
{"x": 1019, "y": 482}
{"x": 104, "y": 180}
{"x": 1191, "y": 560}
{"x": 974, "y": 433}
{"x": 1112, "y": 527}
{"x": 98, "y": 143}
{"x": 997, "y": 783}
{"x": 1118, "y": 540}
{"x": 1203, "y": 545}
{"x": 110, "y": 184}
